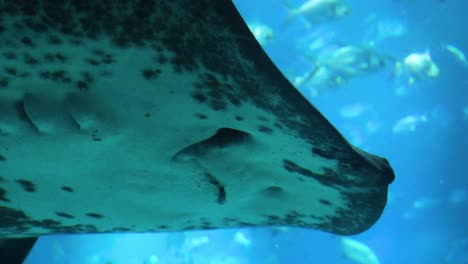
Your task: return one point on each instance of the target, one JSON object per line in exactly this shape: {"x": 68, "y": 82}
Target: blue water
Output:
{"x": 426, "y": 219}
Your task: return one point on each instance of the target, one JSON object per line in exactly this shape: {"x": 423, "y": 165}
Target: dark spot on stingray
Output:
{"x": 147, "y": 115}
{"x": 199, "y": 97}
{"x": 89, "y": 229}
{"x": 163, "y": 227}
{"x": 60, "y": 76}
{"x": 265, "y": 129}
{"x": 228, "y": 87}
{"x": 233, "y": 99}
{"x": 197, "y": 85}
{"x": 45, "y": 74}
{"x": 60, "y": 57}
{"x": 262, "y": 118}
{"x": 161, "y": 59}
{"x": 241, "y": 223}
{"x": 9, "y": 55}
{"x": 120, "y": 229}
{"x": 30, "y": 60}
{"x": 149, "y": 74}
{"x": 239, "y": 118}
{"x": 328, "y": 178}
{"x": 94, "y": 215}
{"x": 293, "y": 167}
{"x": 323, "y": 153}
{"x": 27, "y": 185}
{"x": 325, "y": 202}
{"x": 217, "y": 105}
{"x": 201, "y": 116}
{"x": 205, "y": 223}
{"x": 83, "y": 86}
{"x": 108, "y": 59}
{"x": 98, "y": 52}
{"x": 299, "y": 179}
{"x": 67, "y": 189}
{"x": 278, "y": 125}
{"x": 273, "y": 217}
{"x": 3, "y": 196}
{"x": 87, "y": 77}
{"x": 37, "y": 26}
{"x": 54, "y": 40}
{"x": 157, "y": 47}
{"x": 190, "y": 227}
{"x": 4, "y": 82}
{"x": 215, "y": 94}
{"x": 181, "y": 63}
{"x": 27, "y": 41}
{"x": 97, "y": 139}
{"x": 49, "y": 223}
{"x": 92, "y": 62}
{"x": 210, "y": 80}
{"x": 10, "y": 70}
{"x": 13, "y": 217}
{"x": 50, "y": 57}
{"x": 25, "y": 74}
{"x": 2, "y": 158}
{"x": 64, "y": 215}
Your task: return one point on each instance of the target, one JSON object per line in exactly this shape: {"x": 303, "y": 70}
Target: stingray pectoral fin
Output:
{"x": 165, "y": 117}
{"x": 15, "y": 250}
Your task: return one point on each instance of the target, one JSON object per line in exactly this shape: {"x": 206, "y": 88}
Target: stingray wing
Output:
{"x": 147, "y": 116}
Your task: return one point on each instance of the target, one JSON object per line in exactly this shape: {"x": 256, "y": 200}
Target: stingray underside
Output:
{"x": 148, "y": 116}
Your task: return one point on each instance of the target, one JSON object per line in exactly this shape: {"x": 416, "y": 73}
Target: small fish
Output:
{"x": 409, "y": 123}
{"x": 335, "y": 67}
{"x": 242, "y": 239}
{"x": 457, "y": 53}
{"x": 353, "y": 110}
{"x": 418, "y": 66}
{"x": 421, "y": 64}
{"x": 426, "y": 202}
{"x": 319, "y": 11}
{"x": 358, "y": 252}
{"x": 263, "y": 33}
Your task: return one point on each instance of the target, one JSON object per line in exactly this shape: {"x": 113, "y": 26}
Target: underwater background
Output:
{"x": 415, "y": 117}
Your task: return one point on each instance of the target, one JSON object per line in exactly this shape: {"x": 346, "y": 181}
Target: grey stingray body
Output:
{"x": 148, "y": 116}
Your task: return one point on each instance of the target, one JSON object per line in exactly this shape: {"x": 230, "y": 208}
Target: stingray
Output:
{"x": 159, "y": 116}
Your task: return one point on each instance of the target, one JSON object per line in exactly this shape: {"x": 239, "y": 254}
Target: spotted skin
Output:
{"x": 147, "y": 116}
